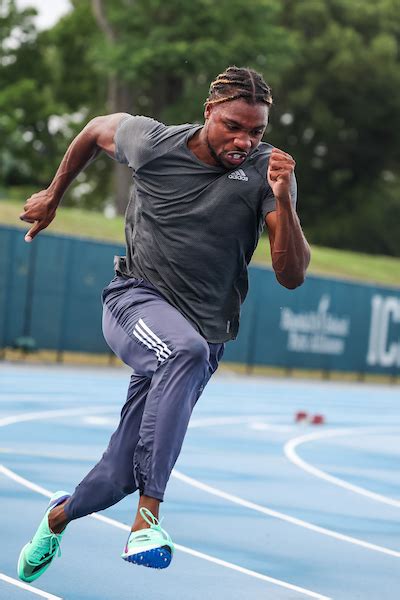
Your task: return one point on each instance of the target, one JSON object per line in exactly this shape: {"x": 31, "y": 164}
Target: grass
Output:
{"x": 325, "y": 261}
{"x": 344, "y": 264}
{"x": 69, "y": 221}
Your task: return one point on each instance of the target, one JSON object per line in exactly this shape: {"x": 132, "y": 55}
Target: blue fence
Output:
{"x": 50, "y": 292}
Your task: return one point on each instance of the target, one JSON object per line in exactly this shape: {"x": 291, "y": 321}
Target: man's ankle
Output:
{"x": 153, "y": 505}
{"x": 57, "y": 519}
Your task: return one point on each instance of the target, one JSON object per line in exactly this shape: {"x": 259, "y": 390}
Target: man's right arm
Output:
{"x": 40, "y": 209}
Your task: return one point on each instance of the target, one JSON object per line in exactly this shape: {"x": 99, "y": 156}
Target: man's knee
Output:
{"x": 193, "y": 349}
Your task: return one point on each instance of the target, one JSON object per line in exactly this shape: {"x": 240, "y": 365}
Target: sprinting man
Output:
{"x": 201, "y": 196}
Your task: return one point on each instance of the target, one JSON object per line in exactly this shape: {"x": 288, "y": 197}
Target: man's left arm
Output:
{"x": 289, "y": 248}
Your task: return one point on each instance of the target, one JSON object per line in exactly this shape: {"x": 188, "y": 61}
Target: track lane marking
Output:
{"x": 53, "y": 414}
{"x": 215, "y": 421}
{"x": 212, "y": 490}
{"x": 44, "y": 492}
{"x": 291, "y": 454}
{"x": 28, "y": 588}
{"x": 282, "y": 516}
{"x": 223, "y": 563}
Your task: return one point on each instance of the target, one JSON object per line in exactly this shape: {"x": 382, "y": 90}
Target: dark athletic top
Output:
{"x": 191, "y": 228}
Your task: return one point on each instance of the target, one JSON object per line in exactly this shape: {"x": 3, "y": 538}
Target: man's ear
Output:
{"x": 207, "y": 110}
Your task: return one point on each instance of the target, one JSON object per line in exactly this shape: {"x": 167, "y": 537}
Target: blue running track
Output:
{"x": 260, "y": 507}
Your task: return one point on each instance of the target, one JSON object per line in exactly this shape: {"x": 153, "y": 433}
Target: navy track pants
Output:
{"x": 171, "y": 365}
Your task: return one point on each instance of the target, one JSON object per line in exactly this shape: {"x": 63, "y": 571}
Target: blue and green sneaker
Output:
{"x": 36, "y": 555}
{"x": 151, "y": 547}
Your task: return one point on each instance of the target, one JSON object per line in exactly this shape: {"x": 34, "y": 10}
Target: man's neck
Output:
{"x": 199, "y": 146}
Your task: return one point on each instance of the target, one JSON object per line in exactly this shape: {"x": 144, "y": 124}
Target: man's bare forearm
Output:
{"x": 80, "y": 153}
{"x": 290, "y": 250}
{"x": 40, "y": 209}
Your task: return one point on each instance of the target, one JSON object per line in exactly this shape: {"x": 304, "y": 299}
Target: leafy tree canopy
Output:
{"x": 339, "y": 105}
{"x": 333, "y": 67}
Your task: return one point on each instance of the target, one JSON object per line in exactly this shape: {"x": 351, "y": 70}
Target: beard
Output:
{"x": 215, "y": 156}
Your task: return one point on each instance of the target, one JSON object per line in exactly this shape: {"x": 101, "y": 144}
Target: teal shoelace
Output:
{"x": 150, "y": 519}
{"x": 44, "y": 552}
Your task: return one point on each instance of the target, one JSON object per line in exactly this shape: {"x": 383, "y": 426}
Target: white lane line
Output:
{"x": 259, "y": 426}
{"x": 223, "y": 563}
{"x": 71, "y": 412}
{"x": 11, "y": 397}
{"x": 215, "y": 421}
{"x": 53, "y": 414}
{"x": 284, "y": 584}
{"x": 25, "y": 482}
{"x": 253, "y": 421}
{"x": 292, "y": 455}
{"x": 36, "y": 398}
{"x": 101, "y": 421}
{"x": 220, "y": 493}
{"x": 282, "y": 516}
{"x": 28, "y": 588}
{"x": 50, "y": 455}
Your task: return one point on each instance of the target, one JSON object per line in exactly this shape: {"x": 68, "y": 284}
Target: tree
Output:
{"x": 339, "y": 109}
{"x": 36, "y": 121}
{"x": 80, "y": 90}
{"x": 22, "y": 135}
{"x": 333, "y": 67}
{"x": 148, "y": 57}
{"x": 159, "y": 56}
{"x": 119, "y": 99}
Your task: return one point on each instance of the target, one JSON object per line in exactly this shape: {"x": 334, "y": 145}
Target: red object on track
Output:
{"x": 300, "y": 416}
{"x": 318, "y": 420}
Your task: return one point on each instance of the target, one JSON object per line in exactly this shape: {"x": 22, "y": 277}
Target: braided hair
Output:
{"x": 239, "y": 82}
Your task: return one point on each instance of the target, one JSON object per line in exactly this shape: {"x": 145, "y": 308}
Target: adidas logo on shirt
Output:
{"x": 239, "y": 174}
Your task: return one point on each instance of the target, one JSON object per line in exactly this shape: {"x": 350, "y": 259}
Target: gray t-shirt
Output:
{"x": 191, "y": 228}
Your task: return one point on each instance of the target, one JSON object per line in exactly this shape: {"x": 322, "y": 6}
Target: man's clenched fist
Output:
{"x": 280, "y": 168}
{"x": 39, "y": 209}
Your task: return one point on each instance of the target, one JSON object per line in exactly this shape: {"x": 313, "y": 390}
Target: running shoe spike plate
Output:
{"x": 37, "y": 555}
{"x": 151, "y": 547}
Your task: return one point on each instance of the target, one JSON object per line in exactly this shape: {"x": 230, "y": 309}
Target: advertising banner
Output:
{"x": 324, "y": 324}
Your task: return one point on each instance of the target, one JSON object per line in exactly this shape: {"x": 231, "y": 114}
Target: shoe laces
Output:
{"x": 50, "y": 545}
{"x": 150, "y": 519}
